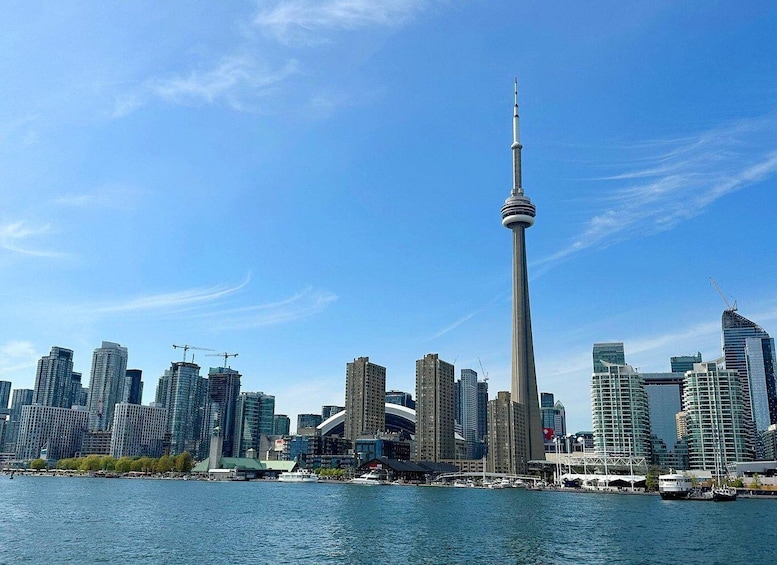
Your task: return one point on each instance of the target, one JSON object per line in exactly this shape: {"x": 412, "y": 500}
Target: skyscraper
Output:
{"x": 133, "y": 387}
{"x": 5, "y": 394}
{"x": 620, "y": 410}
{"x": 365, "y": 398}
{"x": 434, "y": 409}
{"x": 255, "y": 417}
{"x": 53, "y": 378}
{"x": 329, "y": 410}
{"x": 761, "y": 364}
{"x": 281, "y": 425}
{"x": 106, "y": 385}
{"x": 758, "y": 389}
{"x": 221, "y": 401}
{"x": 182, "y": 391}
{"x": 553, "y": 417}
{"x": 506, "y": 442}
{"x": 714, "y": 414}
{"x": 20, "y": 397}
{"x": 664, "y": 392}
{"x": 518, "y": 214}
{"x": 683, "y": 363}
{"x": 468, "y": 410}
{"x": 482, "y": 417}
{"x": 609, "y": 352}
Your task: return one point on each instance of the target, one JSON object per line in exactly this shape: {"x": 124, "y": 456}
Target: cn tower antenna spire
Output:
{"x": 516, "y": 146}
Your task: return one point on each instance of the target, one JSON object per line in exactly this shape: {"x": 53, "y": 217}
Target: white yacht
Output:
{"x": 301, "y": 476}
{"x": 374, "y": 477}
{"x": 674, "y": 485}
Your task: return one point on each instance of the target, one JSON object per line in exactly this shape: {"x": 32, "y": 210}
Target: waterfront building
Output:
{"x": 20, "y": 397}
{"x": 391, "y": 446}
{"x": 467, "y": 411}
{"x": 53, "y": 378}
{"x": 313, "y": 451}
{"x": 181, "y": 390}
{"x": 664, "y": 391}
{"x": 221, "y": 405}
{"x": 306, "y": 422}
{"x": 96, "y": 442}
{"x": 138, "y": 431}
{"x": 365, "y": 398}
{"x": 620, "y": 411}
{"x": 715, "y": 418}
{"x": 133, "y": 387}
{"x": 401, "y": 398}
{"x": 328, "y": 411}
{"x": 434, "y": 409}
{"x": 612, "y": 353}
{"x": 54, "y": 431}
{"x": 255, "y": 418}
{"x": 684, "y": 363}
{"x": 281, "y": 424}
{"x": 757, "y": 392}
{"x": 506, "y": 441}
{"x": 518, "y": 214}
{"x": 106, "y": 385}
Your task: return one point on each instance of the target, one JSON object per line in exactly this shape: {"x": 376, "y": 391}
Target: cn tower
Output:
{"x": 518, "y": 214}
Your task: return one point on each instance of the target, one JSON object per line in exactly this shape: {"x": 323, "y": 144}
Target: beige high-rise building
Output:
{"x": 434, "y": 422}
{"x": 507, "y": 437}
{"x": 365, "y": 398}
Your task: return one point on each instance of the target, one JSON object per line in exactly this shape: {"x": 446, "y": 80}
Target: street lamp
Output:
{"x": 581, "y": 441}
{"x": 556, "y": 442}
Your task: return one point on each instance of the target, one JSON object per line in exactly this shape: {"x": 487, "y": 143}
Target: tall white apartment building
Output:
{"x": 138, "y": 430}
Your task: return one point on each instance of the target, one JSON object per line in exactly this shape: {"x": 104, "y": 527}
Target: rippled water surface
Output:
{"x": 60, "y": 520}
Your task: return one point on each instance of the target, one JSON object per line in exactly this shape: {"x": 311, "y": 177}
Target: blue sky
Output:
{"x": 304, "y": 182}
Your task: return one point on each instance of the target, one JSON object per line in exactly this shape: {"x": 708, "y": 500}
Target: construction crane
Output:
{"x": 485, "y": 374}
{"x": 225, "y": 355}
{"x": 188, "y": 347}
{"x": 729, "y": 307}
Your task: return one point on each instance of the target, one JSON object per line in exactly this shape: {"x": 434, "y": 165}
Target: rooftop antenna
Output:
{"x": 729, "y": 307}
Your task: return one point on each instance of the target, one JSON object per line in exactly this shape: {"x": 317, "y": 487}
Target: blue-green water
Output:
{"x": 63, "y": 520}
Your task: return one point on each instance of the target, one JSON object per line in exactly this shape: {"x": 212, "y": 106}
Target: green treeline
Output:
{"x": 181, "y": 463}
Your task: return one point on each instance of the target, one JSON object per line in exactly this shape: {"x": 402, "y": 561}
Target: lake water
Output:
{"x": 82, "y": 520}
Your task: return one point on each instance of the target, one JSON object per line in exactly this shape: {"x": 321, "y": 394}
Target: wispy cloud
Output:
{"x": 237, "y": 81}
{"x": 120, "y": 198}
{"x": 275, "y": 46}
{"x": 453, "y": 326}
{"x": 171, "y": 301}
{"x": 305, "y": 21}
{"x": 301, "y": 305}
{"x": 16, "y": 356}
{"x": 672, "y": 181}
{"x": 14, "y": 235}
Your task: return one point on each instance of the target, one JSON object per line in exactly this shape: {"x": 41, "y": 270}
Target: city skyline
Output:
{"x": 230, "y": 166}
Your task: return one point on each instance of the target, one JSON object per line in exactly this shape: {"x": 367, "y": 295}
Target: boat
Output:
{"x": 373, "y": 477}
{"x": 674, "y": 486}
{"x": 724, "y": 494}
{"x": 301, "y": 476}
